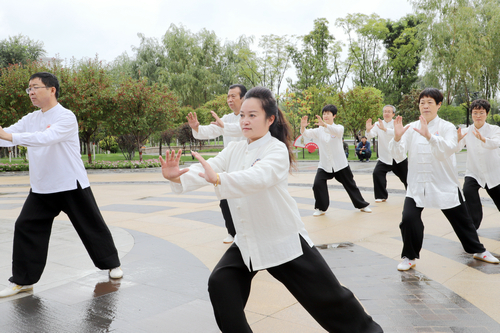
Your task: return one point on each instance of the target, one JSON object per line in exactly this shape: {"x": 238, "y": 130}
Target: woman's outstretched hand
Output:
{"x": 170, "y": 166}
{"x": 210, "y": 175}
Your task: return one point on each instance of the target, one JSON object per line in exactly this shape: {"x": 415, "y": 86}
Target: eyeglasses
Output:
{"x": 28, "y": 90}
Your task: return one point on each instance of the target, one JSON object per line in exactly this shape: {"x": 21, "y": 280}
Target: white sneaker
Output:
{"x": 228, "y": 240}
{"x": 380, "y": 200}
{"x": 486, "y": 256}
{"x": 366, "y": 209}
{"x": 14, "y": 289}
{"x": 406, "y": 264}
{"x": 116, "y": 273}
{"x": 318, "y": 212}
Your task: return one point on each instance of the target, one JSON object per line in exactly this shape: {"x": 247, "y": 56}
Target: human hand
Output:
{"x": 217, "y": 121}
{"x": 369, "y": 125}
{"x": 460, "y": 136}
{"x": 478, "y": 135}
{"x": 319, "y": 121}
{"x": 210, "y": 175}
{"x": 193, "y": 122}
{"x": 303, "y": 122}
{"x": 381, "y": 125}
{"x": 170, "y": 166}
{"x": 4, "y": 135}
{"x": 399, "y": 130}
{"x": 423, "y": 130}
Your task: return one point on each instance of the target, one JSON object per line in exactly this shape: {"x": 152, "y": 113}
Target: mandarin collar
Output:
{"x": 260, "y": 142}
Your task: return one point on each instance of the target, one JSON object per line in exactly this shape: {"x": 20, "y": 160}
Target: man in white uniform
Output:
{"x": 483, "y": 160}
{"x": 58, "y": 183}
{"x": 235, "y": 97}
{"x": 384, "y": 129}
{"x": 332, "y": 161}
{"x": 431, "y": 143}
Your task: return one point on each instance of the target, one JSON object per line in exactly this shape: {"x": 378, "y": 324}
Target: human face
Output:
{"x": 388, "y": 114}
{"x": 428, "y": 108}
{"x": 234, "y": 100}
{"x": 479, "y": 117}
{"x": 328, "y": 117}
{"x": 253, "y": 121}
{"x": 43, "y": 97}
{"x": 363, "y": 140}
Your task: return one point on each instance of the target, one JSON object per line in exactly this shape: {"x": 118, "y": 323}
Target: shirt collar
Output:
{"x": 260, "y": 142}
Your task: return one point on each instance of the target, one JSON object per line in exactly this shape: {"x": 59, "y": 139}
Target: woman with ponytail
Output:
{"x": 253, "y": 176}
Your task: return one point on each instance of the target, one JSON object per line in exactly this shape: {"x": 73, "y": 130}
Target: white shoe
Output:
{"x": 318, "y": 212}
{"x": 366, "y": 209}
{"x": 406, "y": 264}
{"x": 487, "y": 257}
{"x": 14, "y": 289}
{"x": 380, "y": 200}
{"x": 116, "y": 273}
{"x": 228, "y": 240}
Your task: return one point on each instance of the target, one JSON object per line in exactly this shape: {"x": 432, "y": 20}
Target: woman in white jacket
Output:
{"x": 253, "y": 176}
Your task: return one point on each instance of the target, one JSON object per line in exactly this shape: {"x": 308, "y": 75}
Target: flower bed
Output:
{"x": 94, "y": 165}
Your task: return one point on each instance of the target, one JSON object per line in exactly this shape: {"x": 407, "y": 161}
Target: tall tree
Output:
{"x": 19, "y": 49}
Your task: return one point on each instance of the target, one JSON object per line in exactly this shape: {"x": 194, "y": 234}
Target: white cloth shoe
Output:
{"x": 406, "y": 264}
{"x": 13, "y": 289}
{"x": 228, "y": 240}
{"x": 487, "y": 257}
{"x": 318, "y": 212}
{"x": 116, "y": 273}
{"x": 380, "y": 200}
{"x": 366, "y": 209}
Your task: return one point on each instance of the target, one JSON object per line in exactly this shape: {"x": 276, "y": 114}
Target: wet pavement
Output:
{"x": 169, "y": 243}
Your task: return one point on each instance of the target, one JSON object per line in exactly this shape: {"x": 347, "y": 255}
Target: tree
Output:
{"x": 19, "y": 50}
{"x": 408, "y": 108}
{"x": 356, "y": 106}
{"x": 86, "y": 89}
{"x": 141, "y": 109}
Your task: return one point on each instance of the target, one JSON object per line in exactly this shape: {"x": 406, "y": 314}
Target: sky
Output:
{"x": 107, "y": 28}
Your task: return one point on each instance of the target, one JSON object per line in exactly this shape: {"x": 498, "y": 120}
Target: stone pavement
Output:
{"x": 169, "y": 244}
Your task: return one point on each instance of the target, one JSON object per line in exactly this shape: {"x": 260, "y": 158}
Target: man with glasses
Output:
{"x": 58, "y": 183}
{"x": 483, "y": 160}
{"x": 384, "y": 129}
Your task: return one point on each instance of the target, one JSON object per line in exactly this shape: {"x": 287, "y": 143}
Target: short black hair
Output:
{"x": 48, "y": 79}
{"x": 243, "y": 89}
{"x": 433, "y": 93}
{"x": 480, "y": 104}
{"x": 329, "y": 108}
{"x": 364, "y": 137}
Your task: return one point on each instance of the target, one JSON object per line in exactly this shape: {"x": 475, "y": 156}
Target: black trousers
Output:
{"x": 412, "y": 228}
{"x": 345, "y": 177}
{"x": 363, "y": 155}
{"x": 473, "y": 201}
{"x": 34, "y": 225}
{"x": 307, "y": 277}
{"x": 228, "y": 219}
{"x": 380, "y": 176}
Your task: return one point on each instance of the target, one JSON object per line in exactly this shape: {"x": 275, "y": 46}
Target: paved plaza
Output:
{"x": 169, "y": 243}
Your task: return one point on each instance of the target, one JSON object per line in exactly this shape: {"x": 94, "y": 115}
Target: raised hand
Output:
{"x": 399, "y": 130}
{"x": 460, "y": 136}
{"x": 319, "y": 121}
{"x": 369, "y": 125}
{"x": 193, "y": 121}
{"x": 381, "y": 125}
{"x": 170, "y": 166}
{"x": 217, "y": 121}
{"x": 423, "y": 130}
{"x": 210, "y": 175}
{"x": 478, "y": 135}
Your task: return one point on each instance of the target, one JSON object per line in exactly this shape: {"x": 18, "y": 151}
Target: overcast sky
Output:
{"x": 74, "y": 28}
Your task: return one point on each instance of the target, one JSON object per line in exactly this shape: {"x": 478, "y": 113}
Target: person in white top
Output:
{"x": 253, "y": 176}
{"x": 58, "y": 183}
{"x": 235, "y": 97}
{"x": 384, "y": 130}
{"x": 431, "y": 143}
{"x": 332, "y": 161}
{"x": 483, "y": 160}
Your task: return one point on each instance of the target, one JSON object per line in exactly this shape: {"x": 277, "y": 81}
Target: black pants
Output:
{"x": 307, "y": 277}
{"x": 363, "y": 155}
{"x": 473, "y": 201}
{"x": 412, "y": 228}
{"x": 345, "y": 177}
{"x": 228, "y": 219}
{"x": 34, "y": 225}
{"x": 380, "y": 176}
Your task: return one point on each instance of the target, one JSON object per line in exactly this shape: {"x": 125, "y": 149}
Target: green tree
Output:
{"x": 19, "y": 50}
{"x": 356, "y": 106}
{"x": 408, "y": 107}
